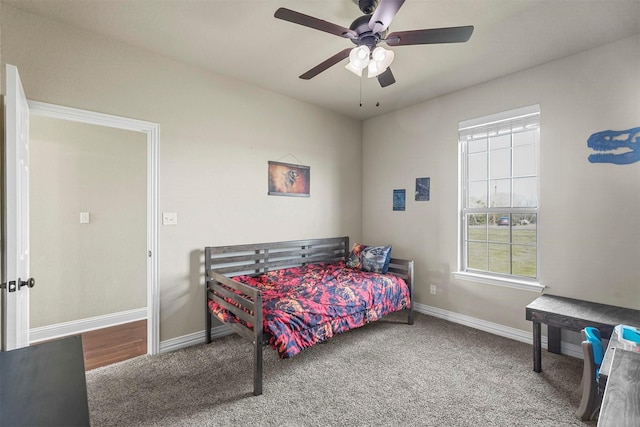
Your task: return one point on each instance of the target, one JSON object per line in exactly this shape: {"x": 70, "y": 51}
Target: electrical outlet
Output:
{"x": 433, "y": 289}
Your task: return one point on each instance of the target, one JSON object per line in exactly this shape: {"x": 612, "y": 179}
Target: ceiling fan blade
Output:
{"x": 315, "y": 23}
{"x": 385, "y": 79}
{"x": 430, "y": 36}
{"x": 383, "y": 15}
{"x": 326, "y": 64}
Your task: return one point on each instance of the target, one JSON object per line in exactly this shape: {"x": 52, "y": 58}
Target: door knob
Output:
{"x": 31, "y": 282}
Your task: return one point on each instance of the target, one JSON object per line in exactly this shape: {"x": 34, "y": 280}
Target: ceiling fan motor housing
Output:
{"x": 365, "y": 37}
{"x": 366, "y": 6}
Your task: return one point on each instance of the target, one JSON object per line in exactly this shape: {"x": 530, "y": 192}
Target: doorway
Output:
{"x": 94, "y": 222}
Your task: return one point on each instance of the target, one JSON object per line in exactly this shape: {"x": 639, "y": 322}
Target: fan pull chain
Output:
{"x": 377, "y": 103}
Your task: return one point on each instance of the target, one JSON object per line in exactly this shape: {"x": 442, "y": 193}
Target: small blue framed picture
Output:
{"x": 399, "y": 197}
{"x": 422, "y": 189}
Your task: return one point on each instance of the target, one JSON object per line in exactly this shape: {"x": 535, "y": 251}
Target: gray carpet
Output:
{"x": 434, "y": 373}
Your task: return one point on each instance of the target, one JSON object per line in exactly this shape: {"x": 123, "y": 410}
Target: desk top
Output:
{"x": 621, "y": 401}
{"x": 44, "y": 385}
{"x": 596, "y": 314}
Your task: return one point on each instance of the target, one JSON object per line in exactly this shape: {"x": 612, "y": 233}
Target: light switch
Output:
{"x": 84, "y": 217}
{"x": 169, "y": 218}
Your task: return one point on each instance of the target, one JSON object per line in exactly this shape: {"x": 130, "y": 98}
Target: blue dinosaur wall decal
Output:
{"x": 626, "y": 141}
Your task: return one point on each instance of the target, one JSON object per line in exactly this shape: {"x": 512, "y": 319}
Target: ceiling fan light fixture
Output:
{"x": 373, "y": 70}
{"x": 358, "y": 59}
{"x": 381, "y": 59}
{"x": 354, "y": 70}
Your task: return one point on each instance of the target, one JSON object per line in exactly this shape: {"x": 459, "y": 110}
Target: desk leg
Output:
{"x": 537, "y": 347}
{"x": 553, "y": 337}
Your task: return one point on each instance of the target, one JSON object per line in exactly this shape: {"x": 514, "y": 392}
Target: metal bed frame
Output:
{"x": 221, "y": 262}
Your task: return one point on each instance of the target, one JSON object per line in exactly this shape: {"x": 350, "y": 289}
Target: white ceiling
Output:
{"x": 242, "y": 39}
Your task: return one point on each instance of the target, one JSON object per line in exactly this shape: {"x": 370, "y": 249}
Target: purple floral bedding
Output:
{"x": 306, "y": 305}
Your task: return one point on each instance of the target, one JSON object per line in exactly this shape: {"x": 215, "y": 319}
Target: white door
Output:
{"x": 16, "y": 280}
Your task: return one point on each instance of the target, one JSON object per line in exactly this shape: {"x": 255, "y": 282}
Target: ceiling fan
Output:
{"x": 366, "y": 32}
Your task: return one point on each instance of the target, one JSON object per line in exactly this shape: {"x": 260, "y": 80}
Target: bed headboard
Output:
{"x": 257, "y": 258}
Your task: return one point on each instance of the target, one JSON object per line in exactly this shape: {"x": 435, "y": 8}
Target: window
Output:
{"x": 499, "y": 198}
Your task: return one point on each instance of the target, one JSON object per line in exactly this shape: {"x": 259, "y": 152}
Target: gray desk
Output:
{"x": 572, "y": 314}
{"x": 44, "y": 385}
{"x": 621, "y": 401}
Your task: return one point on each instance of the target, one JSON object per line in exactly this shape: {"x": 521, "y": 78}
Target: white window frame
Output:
{"x": 529, "y": 115}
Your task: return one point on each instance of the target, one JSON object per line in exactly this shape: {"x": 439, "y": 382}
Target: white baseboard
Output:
{"x": 75, "y": 327}
{"x": 495, "y": 328}
{"x": 193, "y": 339}
{"x": 483, "y": 325}
{"x": 49, "y": 332}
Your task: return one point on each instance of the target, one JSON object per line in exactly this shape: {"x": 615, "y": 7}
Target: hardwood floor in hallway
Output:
{"x": 114, "y": 344}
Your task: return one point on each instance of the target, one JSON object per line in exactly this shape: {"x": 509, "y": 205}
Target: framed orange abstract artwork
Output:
{"x": 286, "y": 179}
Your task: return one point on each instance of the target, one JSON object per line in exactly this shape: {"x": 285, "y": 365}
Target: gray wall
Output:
{"x": 589, "y": 222}
{"x": 216, "y": 137}
{"x": 86, "y": 270}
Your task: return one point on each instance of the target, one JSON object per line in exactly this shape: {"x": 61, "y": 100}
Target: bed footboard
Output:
{"x": 247, "y": 306}
{"x": 404, "y": 268}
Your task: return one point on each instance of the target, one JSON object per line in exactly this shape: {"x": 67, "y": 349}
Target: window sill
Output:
{"x": 508, "y": 283}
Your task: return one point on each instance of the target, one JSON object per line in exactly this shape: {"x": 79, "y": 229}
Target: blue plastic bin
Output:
{"x": 629, "y": 337}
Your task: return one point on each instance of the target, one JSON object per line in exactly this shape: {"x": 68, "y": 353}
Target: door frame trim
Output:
{"x": 152, "y": 130}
